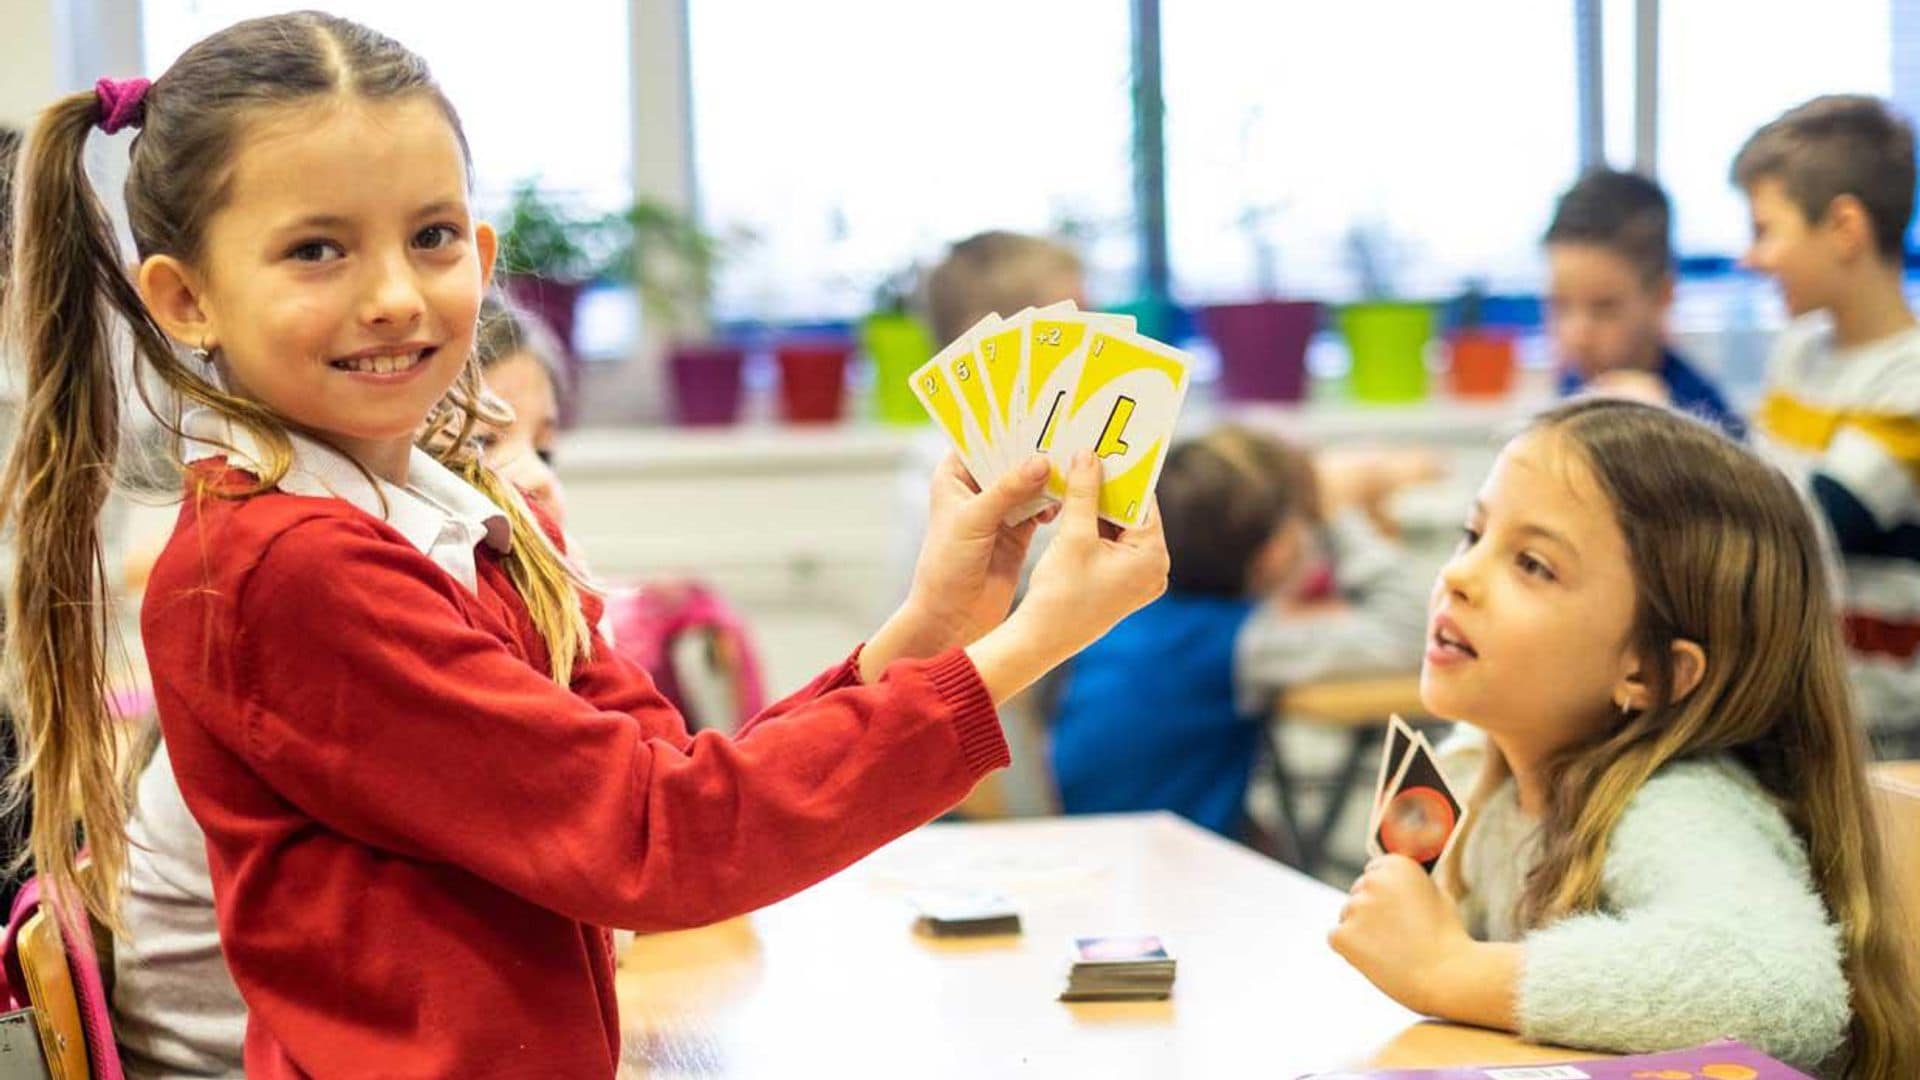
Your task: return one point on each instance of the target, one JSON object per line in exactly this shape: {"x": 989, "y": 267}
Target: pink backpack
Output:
{"x": 83, "y": 963}
{"x": 649, "y": 619}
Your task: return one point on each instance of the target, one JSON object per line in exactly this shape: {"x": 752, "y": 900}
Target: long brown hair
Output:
{"x": 1724, "y": 555}
{"x": 72, "y": 294}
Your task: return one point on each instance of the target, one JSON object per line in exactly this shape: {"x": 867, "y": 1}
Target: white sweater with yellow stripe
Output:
{"x": 1845, "y": 424}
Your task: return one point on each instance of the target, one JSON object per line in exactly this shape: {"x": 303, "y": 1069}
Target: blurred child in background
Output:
{"x": 1165, "y": 712}
{"x": 999, "y": 272}
{"x": 1830, "y": 185}
{"x": 1609, "y": 290}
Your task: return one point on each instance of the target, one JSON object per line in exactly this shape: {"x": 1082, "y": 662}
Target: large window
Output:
{"x": 855, "y": 137}
{"x": 1435, "y": 134}
{"x": 542, "y": 95}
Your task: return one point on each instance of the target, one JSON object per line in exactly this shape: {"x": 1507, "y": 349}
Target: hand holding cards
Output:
{"x": 1054, "y": 381}
{"x": 1415, "y": 812}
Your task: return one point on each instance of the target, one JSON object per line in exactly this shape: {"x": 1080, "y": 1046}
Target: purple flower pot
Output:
{"x": 706, "y": 382}
{"x": 553, "y": 303}
{"x": 1263, "y": 347}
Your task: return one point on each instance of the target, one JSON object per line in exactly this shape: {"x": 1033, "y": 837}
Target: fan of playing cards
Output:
{"x": 1415, "y": 812}
{"x": 1055, "y": 381}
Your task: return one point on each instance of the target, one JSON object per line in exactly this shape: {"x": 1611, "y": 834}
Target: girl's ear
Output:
{"x": 487, "y": 243}
{"x": 1689, "y": 666}
{"x": 174, "y": 296}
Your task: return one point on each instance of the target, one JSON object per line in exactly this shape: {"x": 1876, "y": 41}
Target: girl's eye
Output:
{"x": 545, "y": 455}
{"x": 436, "y": 236}
{"x": 1535, "y": 568}
{"x": 1469, "y": 536}
{"x": 316, "y": 251}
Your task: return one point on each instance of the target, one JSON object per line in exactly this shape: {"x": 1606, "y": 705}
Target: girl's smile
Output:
{"x": 347, "y": 307}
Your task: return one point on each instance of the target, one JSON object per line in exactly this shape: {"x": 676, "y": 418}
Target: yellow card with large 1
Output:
{"x": 1122, "y": 403}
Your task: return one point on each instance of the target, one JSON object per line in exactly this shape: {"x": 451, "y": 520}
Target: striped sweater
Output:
{"x": 1845, "y": 424}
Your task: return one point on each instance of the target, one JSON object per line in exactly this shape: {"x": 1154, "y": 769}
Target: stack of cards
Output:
{"x": 1415, "y": 812}
{"x": 1119, "y": 969}
{"x": 963, "y": 913}
{"x": 1055, "y": 381}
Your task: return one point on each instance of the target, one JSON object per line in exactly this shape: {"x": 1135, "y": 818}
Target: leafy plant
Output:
{"x": 667, "y": 254}
{"x": 1371, "y": 253}
{"x": 1469, "y": 306}
{"x": 898, "y": 290}
{"x": 544, "y": 238}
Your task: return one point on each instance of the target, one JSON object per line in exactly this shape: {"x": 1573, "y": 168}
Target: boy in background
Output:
{"x": 1001, "y": 272}
{"x": 1830, "y": 187}
{"x": 1610, "y": 287}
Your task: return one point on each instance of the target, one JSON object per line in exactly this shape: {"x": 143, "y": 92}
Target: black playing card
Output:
{"x": 1420, "y": 815}
{"x": 1393, "y": 753}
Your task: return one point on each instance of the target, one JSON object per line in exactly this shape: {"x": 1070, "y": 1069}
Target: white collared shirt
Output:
{"x": 438, "y": 512}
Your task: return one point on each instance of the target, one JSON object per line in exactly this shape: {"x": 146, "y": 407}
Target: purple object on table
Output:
{"x": 1263, "y": 347}
{"x": 1715, "y": 1061}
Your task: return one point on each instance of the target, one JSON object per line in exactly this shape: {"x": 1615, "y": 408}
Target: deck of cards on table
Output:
{"x": 1134, "y": 967}
{"x": 963, "y": 913}
{"x": 1057, "y": 380}
{"x": 1415, "y": 812}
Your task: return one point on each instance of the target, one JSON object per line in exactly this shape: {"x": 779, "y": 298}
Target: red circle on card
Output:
{"x": 1417, "y": 823}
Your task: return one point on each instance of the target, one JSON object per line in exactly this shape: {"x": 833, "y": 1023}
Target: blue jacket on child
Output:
{"x": 1689, "y": 390}
{"x": 1148, "y": 720}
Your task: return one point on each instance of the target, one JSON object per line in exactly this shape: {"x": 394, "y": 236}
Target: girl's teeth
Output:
{"x": 383, "y": 365}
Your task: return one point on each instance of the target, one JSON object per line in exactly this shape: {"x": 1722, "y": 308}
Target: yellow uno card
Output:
{"x": 933, "y": 384}
{"x": 998, "y": 351}
{"x": 970, "y": 381}
{"x": 1055, "y": 349}
{"x": 1122, "y": 405}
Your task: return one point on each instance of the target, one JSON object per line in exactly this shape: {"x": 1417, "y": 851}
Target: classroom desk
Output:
{"x": 1360, "y": 707}
{"x": 834, "y": 982}
{"x": 1896, "y": 789}
{"x": 1899, "y": 776}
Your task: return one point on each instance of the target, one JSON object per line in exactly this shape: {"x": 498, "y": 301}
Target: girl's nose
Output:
{"x": 394, "y": 298}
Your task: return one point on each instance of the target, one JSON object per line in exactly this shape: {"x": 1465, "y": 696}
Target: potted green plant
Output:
{"x": 896, "y": 342}
{"x": 551, "y": 252}
{"x": 673, "y": 260}
{"x": 548, "y": 256}
{"x": 1387, "y": 338}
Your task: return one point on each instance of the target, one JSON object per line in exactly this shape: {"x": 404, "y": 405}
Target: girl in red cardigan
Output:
{"x": 426, "y": 785}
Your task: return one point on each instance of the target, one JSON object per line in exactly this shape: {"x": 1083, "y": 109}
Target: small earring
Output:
{"x": 1626, "y": 710}
{"x": 202, "y": 354}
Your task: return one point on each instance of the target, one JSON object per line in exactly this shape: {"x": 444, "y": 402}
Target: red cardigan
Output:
{"x": 415, "y": 836}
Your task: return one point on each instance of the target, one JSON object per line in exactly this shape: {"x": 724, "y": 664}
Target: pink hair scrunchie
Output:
{"x": 122, "y": 103}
